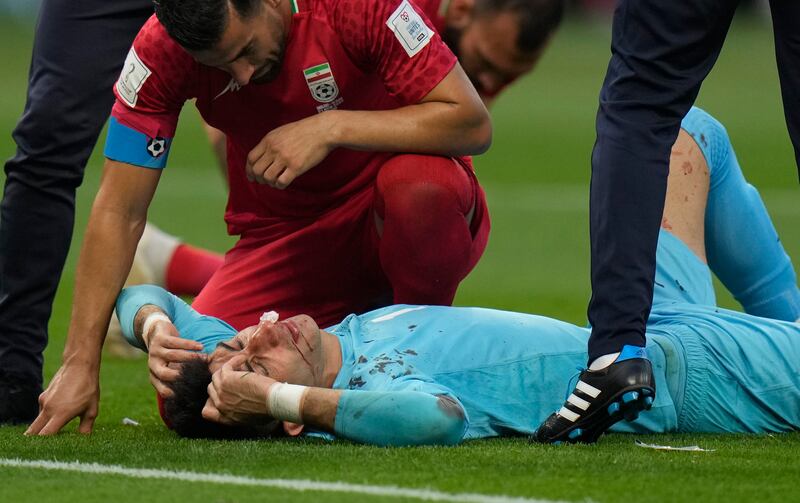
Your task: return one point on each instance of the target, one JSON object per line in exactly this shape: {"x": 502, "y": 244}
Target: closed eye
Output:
{"x": 263, "y": 369}
{"x": 227, "y": 346}
{"x": 256, "y": 367}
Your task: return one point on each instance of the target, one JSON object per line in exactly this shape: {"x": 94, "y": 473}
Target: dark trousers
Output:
{"x": 78, "y": 53}
{"x": 661, "y": 52}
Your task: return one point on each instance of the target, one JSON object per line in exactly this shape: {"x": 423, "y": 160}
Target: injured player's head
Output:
{"x": 294, "y": 350}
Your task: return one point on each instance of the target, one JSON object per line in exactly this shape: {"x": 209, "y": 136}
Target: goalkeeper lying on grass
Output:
{"x": 407, "y": 375}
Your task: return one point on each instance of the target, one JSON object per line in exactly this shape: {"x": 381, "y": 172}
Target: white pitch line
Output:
{"x": 287, "y": 484}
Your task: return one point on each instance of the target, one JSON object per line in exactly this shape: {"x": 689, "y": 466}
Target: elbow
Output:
{"x": 447, "y": 423}
{"x": 480, "y": 134}
{"x": 443, "y": 430}
{"x": 452, "y": 431}
{"x": 484, "y": 137}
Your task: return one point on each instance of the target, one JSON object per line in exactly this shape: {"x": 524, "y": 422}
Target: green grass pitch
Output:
{"x": 536, "y": 177}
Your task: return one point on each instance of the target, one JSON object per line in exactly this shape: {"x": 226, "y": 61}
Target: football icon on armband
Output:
{"x": 156, "y": 146}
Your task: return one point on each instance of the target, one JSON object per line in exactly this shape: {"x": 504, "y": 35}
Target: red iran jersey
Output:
{"x": 339, "y": 54}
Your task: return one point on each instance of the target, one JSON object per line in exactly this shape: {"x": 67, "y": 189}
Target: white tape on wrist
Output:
{"x": 284, "y": 400}
{"x": 147, "y": 326}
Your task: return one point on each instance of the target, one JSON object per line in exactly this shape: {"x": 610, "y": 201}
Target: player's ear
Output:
{"x": 459, "y": 13}
{"x": 293, "y": 429}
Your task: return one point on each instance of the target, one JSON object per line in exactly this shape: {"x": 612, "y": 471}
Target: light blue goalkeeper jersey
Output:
{"x": 508, "y": 370}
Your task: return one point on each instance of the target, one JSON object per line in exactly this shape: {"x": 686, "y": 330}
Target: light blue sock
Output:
{"x": 742, "y": 245}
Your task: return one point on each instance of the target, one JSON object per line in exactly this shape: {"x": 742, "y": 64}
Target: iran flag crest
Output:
{"x": 321, "y": 83}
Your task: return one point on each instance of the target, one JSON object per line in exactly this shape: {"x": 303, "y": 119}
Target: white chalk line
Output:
{"x": 286, "y": 484}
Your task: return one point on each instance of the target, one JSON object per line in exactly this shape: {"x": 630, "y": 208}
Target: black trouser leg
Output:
{"x": 786, "y": 23}
{"x": 661, "y": 52}
{"x": 78, "y": 53}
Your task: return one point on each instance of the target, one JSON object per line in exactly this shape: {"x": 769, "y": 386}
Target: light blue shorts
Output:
{"x": 726, "y": 371}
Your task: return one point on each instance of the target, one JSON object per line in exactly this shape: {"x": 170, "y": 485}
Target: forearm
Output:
{"x": 451, "y": 120}
{"x": 105, "y": 260}
{"x": 385, "y": 417}
{"x": 430, "y": 128}
{"x": 115, "y": 226}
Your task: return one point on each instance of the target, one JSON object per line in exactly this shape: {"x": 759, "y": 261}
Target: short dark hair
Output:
{"x": 538, "y": 19}
{"x": 197, "y": 25}
{"x": 183, "y": 411}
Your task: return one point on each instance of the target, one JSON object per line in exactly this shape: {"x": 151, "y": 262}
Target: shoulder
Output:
{"x": 157, "y": 72}
{"x": 159, "y": 52}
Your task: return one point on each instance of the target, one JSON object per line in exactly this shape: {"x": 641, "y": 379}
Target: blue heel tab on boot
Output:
{"x": 629, "y": 352}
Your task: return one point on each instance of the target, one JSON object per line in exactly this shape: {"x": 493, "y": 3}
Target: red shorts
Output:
{"x": 327, "y": 266}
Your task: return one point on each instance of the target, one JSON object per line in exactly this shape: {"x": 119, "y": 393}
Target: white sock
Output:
{"x": 603, "y": 361}
{"x": 156, "y": 248}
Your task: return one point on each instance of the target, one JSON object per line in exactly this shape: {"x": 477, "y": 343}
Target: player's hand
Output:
{"x": 290, "y": 150}
{"x": 73, "y": 392}
{"x": 165, "y": 347}
{"x": 237, "y": 397}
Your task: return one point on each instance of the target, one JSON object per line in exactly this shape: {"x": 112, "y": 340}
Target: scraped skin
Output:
{"x": 687, "y": 192}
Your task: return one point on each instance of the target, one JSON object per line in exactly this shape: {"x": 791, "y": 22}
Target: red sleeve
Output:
{"x": 154, "y": 83}
{"x": 396, "y": 39}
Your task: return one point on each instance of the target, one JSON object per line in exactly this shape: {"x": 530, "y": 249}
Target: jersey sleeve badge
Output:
{"x": 133, "y": 76}
{"x": 409, "y": 28}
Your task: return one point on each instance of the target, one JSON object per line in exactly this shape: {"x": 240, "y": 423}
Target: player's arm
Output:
{"x": 450, "y": 120}
{"x": 167, "y": 328}
{"x": 396, "y": 417}
{"x": 115, "y": 225}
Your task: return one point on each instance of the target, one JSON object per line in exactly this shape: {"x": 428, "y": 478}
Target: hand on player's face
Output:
{"x": 165, "y": 350}
{"x": 290, "y": 150}
{"x": 236, "y": 396}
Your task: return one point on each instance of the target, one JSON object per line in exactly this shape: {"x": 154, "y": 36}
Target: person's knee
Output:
{"x": 713, "y": 140}
{"x": 416, "y": 185}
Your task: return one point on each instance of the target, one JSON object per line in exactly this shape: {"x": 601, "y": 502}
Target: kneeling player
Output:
{"x": 437, "y": 375}
{"x": 496, "y": 42}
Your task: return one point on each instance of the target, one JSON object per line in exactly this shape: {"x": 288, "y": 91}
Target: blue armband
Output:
{"x": 127, "y": 145}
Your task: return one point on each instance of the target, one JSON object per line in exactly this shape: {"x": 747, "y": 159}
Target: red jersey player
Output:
{"x": 496, "y": 42}
{"x": 316, "y": 99}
